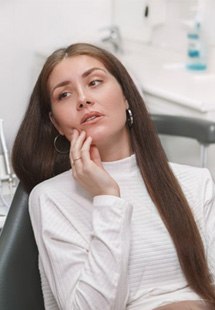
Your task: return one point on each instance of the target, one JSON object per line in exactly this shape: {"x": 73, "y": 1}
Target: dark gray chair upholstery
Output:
{"x": 201, "y": 130}
{"x": 20, "y": 287}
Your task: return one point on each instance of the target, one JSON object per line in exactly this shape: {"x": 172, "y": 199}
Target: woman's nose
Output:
{"x": 84, "y": 103}
{"x": 83, "y": 100}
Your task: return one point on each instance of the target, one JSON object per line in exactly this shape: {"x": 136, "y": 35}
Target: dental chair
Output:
{"x": 201, "y": 130}
{"x": 20, "y": 287}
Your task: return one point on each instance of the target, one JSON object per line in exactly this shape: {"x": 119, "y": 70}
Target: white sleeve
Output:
{"x": 209, "y": 215}
{"x": 84, "y": 276}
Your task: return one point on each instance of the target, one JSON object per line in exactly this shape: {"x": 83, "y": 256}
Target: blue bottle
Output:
{"x": 196, "y": 58}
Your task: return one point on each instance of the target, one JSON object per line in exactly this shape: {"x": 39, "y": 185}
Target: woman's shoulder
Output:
{"x": 61, "y": 182}
{"x": 60, "y": 192}
{"x": 59, "y": 204}
{"x": 194, "y": 180}
{"x": 188, "y": 172}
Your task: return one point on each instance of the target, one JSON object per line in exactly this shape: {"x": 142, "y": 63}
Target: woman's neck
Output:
{"x": 112, "y": 155}
{"x": 115, "y": 151}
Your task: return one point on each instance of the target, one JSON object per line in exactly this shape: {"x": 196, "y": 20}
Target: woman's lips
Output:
{"x": 91, "y": 117}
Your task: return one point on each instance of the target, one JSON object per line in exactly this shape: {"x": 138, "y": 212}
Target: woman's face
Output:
{"x": 85, "y": 96}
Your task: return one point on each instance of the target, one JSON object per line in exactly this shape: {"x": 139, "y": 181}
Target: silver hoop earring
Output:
{"x": 61, "y": 144}
{"x": 129, "y": 116}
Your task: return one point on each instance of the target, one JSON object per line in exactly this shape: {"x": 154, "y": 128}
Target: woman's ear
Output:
{"x": 126, "y": 104}
{"x": 55, "y": 124}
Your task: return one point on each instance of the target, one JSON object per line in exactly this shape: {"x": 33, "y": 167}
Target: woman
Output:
{"x": 122, "y": 229}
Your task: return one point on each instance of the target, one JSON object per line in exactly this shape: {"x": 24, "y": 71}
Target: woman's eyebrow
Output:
{"x": 64, "y": 83}
{"x": 85, "y": 74}
{"x": 89, "y": 71}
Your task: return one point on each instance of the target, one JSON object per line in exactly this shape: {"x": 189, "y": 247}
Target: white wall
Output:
{"x": 164, "y": 31}
{"x": 166, "y": 25}
{"x": 29, "y": 31}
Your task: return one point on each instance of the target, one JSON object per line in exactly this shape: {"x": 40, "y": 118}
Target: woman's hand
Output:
{"x": 87, "y": 168}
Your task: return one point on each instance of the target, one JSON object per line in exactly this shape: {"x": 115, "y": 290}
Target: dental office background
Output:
{"x": 152, "y": 42}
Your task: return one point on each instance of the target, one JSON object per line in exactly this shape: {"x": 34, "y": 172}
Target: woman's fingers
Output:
{"x": 87, "y": 168}
{"x": 76, "y": 144}
{"x": 85, "y": 150}
{"x": 83, "y": 160}
{"x": 80, "y": 151}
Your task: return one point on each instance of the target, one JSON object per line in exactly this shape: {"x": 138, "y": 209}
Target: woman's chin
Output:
{"x": 97, "y": 136}
{"x": 97, "y": 140}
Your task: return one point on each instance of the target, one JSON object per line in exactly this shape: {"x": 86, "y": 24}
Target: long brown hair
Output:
{"x": 35, "y": 159}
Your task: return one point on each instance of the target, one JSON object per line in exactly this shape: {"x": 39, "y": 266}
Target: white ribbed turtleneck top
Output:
{"x": 111, "y": 253}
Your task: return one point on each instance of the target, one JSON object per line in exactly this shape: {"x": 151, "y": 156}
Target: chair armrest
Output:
{"x": 201, "y": 130}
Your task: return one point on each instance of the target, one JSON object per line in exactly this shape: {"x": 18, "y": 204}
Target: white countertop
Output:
{"x": 162, "y": 73}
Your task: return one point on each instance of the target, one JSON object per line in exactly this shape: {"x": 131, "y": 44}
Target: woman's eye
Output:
{"x": 64, "y": 95}
{"x": 95, "y": 82}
